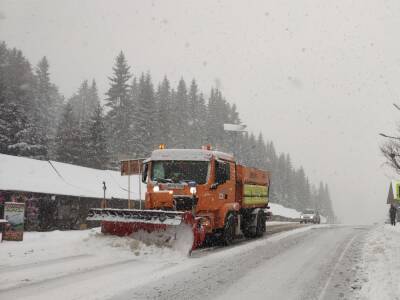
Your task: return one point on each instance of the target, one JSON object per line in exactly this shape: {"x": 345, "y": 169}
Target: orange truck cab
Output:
{"x": 227, "y": 199}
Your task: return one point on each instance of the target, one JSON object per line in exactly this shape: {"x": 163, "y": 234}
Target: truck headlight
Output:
{"x": 301, "y": 217}
{"x": 156, "y": 188}
{"x": 193, "y": 190}
{"x": 312, "y": 217}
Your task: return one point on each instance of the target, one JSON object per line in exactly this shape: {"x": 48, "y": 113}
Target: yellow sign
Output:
{"x": 397, "y": 191}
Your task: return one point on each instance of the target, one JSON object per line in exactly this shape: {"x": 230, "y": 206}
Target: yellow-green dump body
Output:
{"x": 253, "y": 185}
{"x": 255, "y": 195}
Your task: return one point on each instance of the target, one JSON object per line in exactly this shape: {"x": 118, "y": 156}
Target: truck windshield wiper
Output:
{"x": 163, "y": 180}
{"x": 188, "y": 180}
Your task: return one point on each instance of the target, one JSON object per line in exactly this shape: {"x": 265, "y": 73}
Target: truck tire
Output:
{"x": 257, "y": 227}
{"x": 260, "y": 227}
{"x": 228, "y": 233}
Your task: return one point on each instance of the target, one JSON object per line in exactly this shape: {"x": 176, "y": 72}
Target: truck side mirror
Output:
{"x": 214, "y": 186}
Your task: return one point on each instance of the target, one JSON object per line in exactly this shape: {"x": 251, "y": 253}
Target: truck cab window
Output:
{"x": 222, "y": 172}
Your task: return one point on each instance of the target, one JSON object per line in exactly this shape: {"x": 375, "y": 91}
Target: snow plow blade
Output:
{"x": 168, "y": 224}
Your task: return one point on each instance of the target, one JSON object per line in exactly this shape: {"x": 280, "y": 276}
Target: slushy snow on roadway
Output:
{"x": 291, "y": 261}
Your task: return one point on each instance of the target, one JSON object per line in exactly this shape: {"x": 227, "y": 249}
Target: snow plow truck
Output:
{"x": 200, "y": 189}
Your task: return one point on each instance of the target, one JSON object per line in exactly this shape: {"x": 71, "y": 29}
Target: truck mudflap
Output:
{"x": 167, "y": 225}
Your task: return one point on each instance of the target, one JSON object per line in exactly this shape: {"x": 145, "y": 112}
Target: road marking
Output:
{"x": 323, "y": 292}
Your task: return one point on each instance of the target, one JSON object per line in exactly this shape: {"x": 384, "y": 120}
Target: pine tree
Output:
{"x": 3, "y": 74}
{"x": 19, "y": 133}
{"x": 145, "y": 118}
{"x": 164, "y": 113}
{"x": 327, "y": 209}
{"x": 94, "y": 100}
{"x": 85, "y": 102}
{"x": 202, "y": 120}
{"x": 48, "y": 106}
{"x": 43, "y": 87}
{"x": 97, "y": 153}
{"x": 12, "y": 121}
{"x": 180, "y": 112}
{"x": 68, "y": 140}
{"x": 213, "y": 131}
{"x": 48, "y": 100}
{"x": 118, "y": 118}
{"x": 193, "y": 117}
{"x": 197, "y": 111}
{"x": 271, "y": 158}
{"x": 118, "y": 93}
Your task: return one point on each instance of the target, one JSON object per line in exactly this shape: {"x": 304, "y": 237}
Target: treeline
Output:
{"x": 36, "y": 121}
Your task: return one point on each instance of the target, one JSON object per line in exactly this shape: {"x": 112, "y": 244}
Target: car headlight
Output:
{"x": 193, "y": 190}
{"x": 156, "y": 188}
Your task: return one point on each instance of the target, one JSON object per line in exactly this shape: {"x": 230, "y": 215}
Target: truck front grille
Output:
{"x": 184, "y": 203}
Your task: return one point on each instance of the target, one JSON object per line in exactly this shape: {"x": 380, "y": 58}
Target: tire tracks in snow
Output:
{"x": 39, "y": 264}
{"x": 76, "y": 273}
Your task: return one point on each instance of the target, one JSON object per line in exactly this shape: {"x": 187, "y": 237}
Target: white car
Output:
{"x": 310, "y": 216}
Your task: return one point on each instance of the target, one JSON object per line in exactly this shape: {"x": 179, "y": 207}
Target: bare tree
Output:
{"x": 391, "y": 148}
{"x": 391, "y": 151}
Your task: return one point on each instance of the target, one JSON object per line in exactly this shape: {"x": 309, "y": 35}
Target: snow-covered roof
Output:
{"x": 188, "y": 154}
{"x": 50, "y": 177}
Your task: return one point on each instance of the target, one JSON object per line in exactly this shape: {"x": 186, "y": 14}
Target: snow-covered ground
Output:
{"x": 43, "y": 256}
{"x": 91, "y": 265}
{"x": 88, "y": 265}
{"x": 380, "y": 268}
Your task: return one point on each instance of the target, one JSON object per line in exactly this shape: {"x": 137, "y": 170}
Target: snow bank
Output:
{"x": 45, "y": 255}
{"x": 50, "y": 177}
{"x": 380, "y": 267}
{"x": 43, "y": 246}
{"x": 280, "y": 210}
{"x": 84, "y": 262}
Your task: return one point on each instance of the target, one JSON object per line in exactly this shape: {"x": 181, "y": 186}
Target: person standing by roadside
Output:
{"x": 392, "y": 213}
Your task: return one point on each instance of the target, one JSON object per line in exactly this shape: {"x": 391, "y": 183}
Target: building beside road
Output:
{"x": 58, "y": 195}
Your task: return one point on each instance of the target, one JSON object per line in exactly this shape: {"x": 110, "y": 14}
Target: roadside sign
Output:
{"x": 131, "y": 167}
{"x": 14, "y": 213}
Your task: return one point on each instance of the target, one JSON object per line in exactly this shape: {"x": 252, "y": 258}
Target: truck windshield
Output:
{"x": 180, "y": 171}
{"x": 308, "y": 212}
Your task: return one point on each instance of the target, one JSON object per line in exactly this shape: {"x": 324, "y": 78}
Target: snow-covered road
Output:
{"x": 308, "y": 262}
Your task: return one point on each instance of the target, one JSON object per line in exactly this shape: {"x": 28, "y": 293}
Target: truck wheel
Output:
{"x": 252, "y": 230}
{"x": 229, "y": 230}
{"x": 260, "y": 227}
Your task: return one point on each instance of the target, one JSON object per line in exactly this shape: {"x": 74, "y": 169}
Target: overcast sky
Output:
{"x": 316, "y": 77}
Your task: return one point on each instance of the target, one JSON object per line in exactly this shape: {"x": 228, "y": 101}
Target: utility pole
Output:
{"x": 104, "y": 205}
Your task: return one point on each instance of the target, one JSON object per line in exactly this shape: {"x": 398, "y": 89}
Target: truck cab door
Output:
{"x": 225, "y": 180}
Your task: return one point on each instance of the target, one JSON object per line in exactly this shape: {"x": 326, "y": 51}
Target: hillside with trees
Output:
{"x": 133, "y": 118}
